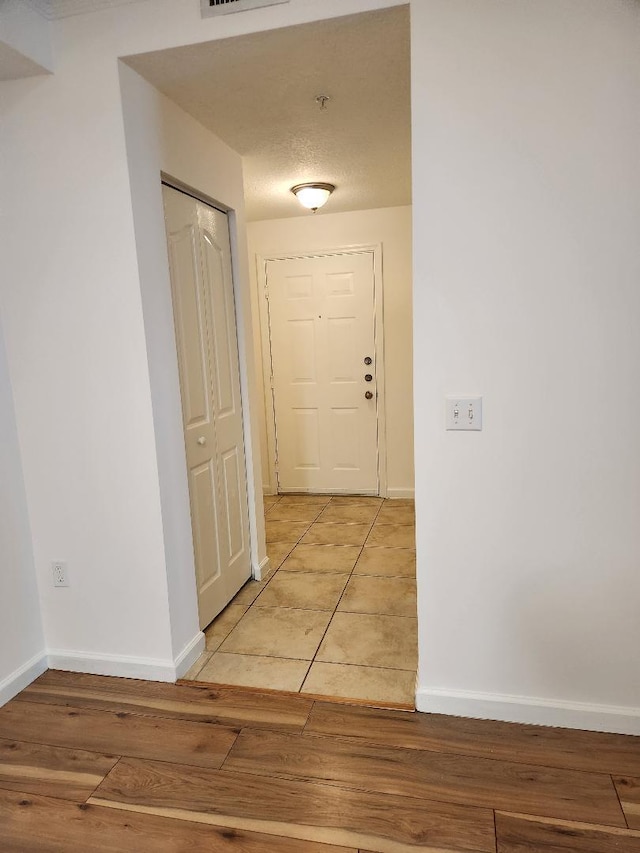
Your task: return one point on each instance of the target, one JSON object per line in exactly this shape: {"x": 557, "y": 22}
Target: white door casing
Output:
{"x": 321, "y": 318}
{"x": 206, "y": 340}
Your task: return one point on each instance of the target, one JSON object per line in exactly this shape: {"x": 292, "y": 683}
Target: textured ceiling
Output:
{"x": 258, "y": 92}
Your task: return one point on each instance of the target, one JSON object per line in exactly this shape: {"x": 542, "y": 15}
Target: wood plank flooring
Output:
{"x": 106, "y": 764}
{"x": 303, "y": 809}
{"x": 203, "y": 703}
{"x": 31, "y": 823}
{"x": 564, "y": 748}
{"x": 120, "y": 731}
{"x": 484, "y": 782}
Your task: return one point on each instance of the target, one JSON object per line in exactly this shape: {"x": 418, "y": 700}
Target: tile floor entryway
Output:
{"x": 336, "y": 613}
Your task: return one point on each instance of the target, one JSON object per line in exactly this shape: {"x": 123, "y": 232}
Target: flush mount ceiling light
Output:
{"x": 312, "y": 196}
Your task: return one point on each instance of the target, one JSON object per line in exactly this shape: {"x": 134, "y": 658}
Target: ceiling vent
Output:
{"x": 225, "y": 7}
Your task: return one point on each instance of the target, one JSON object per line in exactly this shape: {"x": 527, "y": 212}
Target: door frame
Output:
{"x": 374, "y": 249}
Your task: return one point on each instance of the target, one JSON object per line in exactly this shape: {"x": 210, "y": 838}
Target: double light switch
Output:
{"x": 464, "y": 413}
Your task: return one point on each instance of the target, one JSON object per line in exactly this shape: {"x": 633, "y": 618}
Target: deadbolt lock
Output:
{"x": 368, "y": 360}
{"x": 368, "y": 377}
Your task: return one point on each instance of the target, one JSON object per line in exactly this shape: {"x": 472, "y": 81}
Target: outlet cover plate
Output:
{"x": 59, "y": 573}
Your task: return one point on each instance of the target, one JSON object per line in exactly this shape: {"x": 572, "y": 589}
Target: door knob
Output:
{"x": 368, "y": 395}
{"x": 368, "y": 360}
{"x": 368, "y": 377}
{"x": 202, "y": 440}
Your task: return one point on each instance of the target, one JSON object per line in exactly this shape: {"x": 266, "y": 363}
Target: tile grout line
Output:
{"x": 296, "y": 660}
{"x": 296, "y": 543}
{"x": 306, "y": 675}
{"x": 249, "y": 606}
{"x": 351, "y": 574}
{"x": 267, "y": 583}
{"x": 331, "y": 610}
{"x": 335, "y": 609}
{"x": 218, "y": 650}
{"x": 376, "y": 613}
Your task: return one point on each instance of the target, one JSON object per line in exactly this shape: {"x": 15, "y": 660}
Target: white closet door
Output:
{"x": 321, "y": 318}
{"x": 206, "y": 338}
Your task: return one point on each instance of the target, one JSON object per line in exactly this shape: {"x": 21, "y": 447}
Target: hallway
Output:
{"x": 336, "y": 614}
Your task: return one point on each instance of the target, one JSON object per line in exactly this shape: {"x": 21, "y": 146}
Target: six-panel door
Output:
{"x": 322, "y": 327}
{"x": 206, "y": 339}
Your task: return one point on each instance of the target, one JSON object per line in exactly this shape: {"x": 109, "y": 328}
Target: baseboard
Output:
{"x": 400, "y": 493}
{"x": 189, "y": 655}
{"x": 524, "y": 709}
{"x": 21, "y": 677}
{"x": 122, "y": 666}
{"x": 261, "y": 569}
{"x": 268, "y": 490}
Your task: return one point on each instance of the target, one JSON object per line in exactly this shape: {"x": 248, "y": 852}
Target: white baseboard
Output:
{"x": 122, "y": 666}
{"x": 524, "y": 709}
{"x": 189, "y": 655}
{"x": 268, "y": 490}
{"x": 260, "y": 569}
{"x": 22, "y": 677}
{"x": 400, "y": 493}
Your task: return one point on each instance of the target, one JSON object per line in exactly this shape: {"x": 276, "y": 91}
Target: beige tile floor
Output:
{"x": 335, "y": 614}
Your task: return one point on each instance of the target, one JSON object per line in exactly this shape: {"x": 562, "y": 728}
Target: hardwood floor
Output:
{"x": 106, "y": 764}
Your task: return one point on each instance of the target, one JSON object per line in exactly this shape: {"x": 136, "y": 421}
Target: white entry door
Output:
{"x": 322, "y": 329}
{"x": 206, "y": 338}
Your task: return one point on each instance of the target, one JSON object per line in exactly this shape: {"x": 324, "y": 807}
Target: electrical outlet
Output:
{"x": 59, "y": 571}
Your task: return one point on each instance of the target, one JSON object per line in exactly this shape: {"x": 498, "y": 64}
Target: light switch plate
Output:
{"x": 464, "y": 413}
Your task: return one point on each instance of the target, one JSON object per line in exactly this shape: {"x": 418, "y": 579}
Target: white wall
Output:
{"x": 75, "y": 300}
{"x": 391, "y": 228}
{"x": 526, "y": 135}
{"x": 77, "y": 356}
{"x": 526, "y": 262}
{"x": 21, "y": 640}
{"x": 161, "y": 138}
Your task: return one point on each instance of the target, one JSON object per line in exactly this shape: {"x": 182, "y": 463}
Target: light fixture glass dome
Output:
{"x": 312, "y": 196}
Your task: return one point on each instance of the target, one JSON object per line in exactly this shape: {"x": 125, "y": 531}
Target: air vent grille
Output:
{"x": 224, "y": 7}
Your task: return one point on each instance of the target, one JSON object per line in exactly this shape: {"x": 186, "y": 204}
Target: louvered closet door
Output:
{"x": 206, "y": 339}
{"x": 321, "y": 319}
